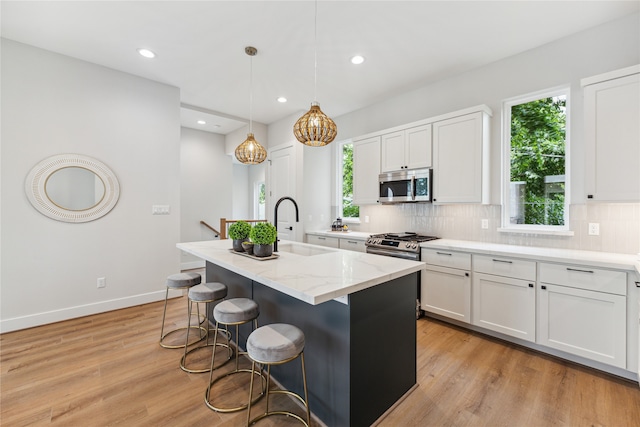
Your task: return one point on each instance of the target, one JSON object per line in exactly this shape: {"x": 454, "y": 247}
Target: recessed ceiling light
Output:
{"x": 146, "y": 53}
{"x": 201, "y": 122}
{"x": 217, "y": 126}
{"x": 357, "y": 59}
{"x": 282, "y": 99}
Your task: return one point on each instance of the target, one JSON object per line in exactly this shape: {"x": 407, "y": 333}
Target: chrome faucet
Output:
{"x": 275, "y": 218}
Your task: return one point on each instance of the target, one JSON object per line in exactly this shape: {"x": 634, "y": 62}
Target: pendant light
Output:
{"x": 250, "y": 152}
{"x": 315, "y": 128}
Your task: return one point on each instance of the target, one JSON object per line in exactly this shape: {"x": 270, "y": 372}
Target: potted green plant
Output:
{"x": 239, "y": 232}
{"x": 263, "y": 234}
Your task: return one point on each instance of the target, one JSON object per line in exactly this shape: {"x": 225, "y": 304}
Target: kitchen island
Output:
{"x": 357, "y": 312}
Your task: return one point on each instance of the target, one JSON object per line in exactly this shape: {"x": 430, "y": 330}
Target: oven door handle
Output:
{"x": 396, "y": 254}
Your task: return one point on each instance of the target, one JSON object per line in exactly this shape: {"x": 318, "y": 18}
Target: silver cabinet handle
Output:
{"x": 579, "y": 271}
{"x": 322, "y": 238}
{"x": 352, "y": 242}
{"x": 502, "y": 260}
{"x": 443, "y": 253}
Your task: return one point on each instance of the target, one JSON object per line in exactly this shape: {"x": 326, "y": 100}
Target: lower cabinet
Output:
{"x": 352, "y": 245}
{"x": 579, "y": 320}
{"x": 505, "y": 305}
{"x": 331, "y": 242}
{"x": 445, "y": 287}
{"x": 504, "y": 296}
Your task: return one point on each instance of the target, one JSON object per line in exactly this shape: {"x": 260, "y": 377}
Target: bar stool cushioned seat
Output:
{"x": 209, "y": 291}
{"x": 236, "y": 310}
{"x": 275, "y": 343}
{"x": 183, "y": 280}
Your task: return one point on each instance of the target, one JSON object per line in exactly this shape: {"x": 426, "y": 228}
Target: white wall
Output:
{"x": 563, "y": 62}
{"x": 54, "y": 104}
{"x": 206, "y": 191}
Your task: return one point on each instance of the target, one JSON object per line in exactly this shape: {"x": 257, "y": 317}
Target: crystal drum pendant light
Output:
{"x": 250, "y": 152}
{"x": 315, "y": 128}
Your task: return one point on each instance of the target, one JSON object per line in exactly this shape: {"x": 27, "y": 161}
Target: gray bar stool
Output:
{"x": 209, "y": 292}
{"x": 276, "y": 344}
{"x": 235, "y": 311}
{"x": 180, "y": 281}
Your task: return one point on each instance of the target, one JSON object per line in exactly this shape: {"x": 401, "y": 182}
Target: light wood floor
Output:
{"x": 108, "y": 369}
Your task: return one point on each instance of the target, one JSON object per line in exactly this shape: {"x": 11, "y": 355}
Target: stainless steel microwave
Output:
{"x": 405, "y": 186}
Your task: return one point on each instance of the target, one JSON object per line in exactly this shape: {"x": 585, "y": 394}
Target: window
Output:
{"x": 346, "y": 208}
{"x": 535, "y": 160}
{"x": 259, "y": 200}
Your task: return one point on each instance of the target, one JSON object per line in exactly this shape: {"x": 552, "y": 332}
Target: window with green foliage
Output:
{"x": 347, "y": 208}
{"x": 535, "y": 193}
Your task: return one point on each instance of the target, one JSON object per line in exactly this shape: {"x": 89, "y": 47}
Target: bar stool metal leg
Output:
{"x": 290, "y": 346}
{"x": 179, "y": 281}
{"x": 234, "y": 312}
{"x": 206, "y": 293}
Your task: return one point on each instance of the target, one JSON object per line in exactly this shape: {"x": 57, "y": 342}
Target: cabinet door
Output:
{"x": 459, "y": 146}
{"x": 393, "y": 152}
{"x": 366, "y": 168}
{"x": 585, "y": 323}
{"x": 505, "y": 305}
{"x": 418, "y": 147}
{"x": 612, "y": 134}
{"x": 447, "y": 292}
{"x": 353, "y": 245}
{"x": 331, "y": 242}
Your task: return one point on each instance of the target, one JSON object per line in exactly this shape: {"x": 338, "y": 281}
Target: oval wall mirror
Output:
{"x": 72, "y": 188}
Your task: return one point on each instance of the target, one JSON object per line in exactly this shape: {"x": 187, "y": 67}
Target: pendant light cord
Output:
{"x": 315, "y": 54}
{"x": 251, "y": 94}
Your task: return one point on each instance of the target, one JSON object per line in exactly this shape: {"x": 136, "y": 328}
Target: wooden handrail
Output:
{"x": 210, "y": 228}
{"x": 224, "y": 225}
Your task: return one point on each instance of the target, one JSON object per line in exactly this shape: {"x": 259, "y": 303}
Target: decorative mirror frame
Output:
{"x": 35, "y": 187}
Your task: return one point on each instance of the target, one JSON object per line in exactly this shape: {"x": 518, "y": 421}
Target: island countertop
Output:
{"x": 324, "y": 275}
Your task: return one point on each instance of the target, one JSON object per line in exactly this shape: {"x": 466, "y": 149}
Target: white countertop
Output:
{"x": 592, "y": 258}
{"x": 334, "y": 273}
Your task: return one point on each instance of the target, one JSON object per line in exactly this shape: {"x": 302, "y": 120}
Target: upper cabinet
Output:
{"x": 612, "y": 135}
{"x": 461, "y": 159}
{"x": 366, "y": 168}
{"x": 407, "y": 149}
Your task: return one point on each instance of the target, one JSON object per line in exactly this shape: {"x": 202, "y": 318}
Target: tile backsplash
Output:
{"x": 619, "y": 225}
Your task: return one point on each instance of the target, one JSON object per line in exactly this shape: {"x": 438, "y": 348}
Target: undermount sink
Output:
{"x": 304, "y": 250}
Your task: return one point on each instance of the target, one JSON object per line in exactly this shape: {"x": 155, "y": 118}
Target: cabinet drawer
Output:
{"x": 331, "y": 242}
{"x": 584, "y": 277}
{"x": 352, "y": 245}
{"x": 446, "y": 258}
{"x": 507, "y": 267}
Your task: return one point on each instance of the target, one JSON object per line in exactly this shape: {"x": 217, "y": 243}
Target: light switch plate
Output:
{"x": 160, "y": 210}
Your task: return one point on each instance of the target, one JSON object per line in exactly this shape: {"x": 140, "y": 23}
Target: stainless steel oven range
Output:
{"x": 400, "y": 245}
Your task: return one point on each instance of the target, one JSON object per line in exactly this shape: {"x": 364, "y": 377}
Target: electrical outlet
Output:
{"x": 594, "y": 229}
{"x": 485, "y": 224}
{"x": 366, "y": 218}
{"x": 102, "y": 282}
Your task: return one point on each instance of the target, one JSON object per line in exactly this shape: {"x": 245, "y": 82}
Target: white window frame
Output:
{"x": 563, "y": 230}
{"x": 338, "y": 188}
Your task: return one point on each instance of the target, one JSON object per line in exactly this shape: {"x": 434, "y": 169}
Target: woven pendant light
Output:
{"x": 250, "y": 152}
{"x": 315, "y": 128}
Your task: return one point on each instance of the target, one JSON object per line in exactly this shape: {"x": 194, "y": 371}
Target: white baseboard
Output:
{"x": 39, "y": 319}
{"x": 192, "y": 265}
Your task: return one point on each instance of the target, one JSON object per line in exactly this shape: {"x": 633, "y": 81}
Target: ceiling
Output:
{"x": 200, "y": 46}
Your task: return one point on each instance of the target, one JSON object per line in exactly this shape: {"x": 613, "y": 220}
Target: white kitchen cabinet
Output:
{"x": 612, "y": 135}
{"x": 406, "y": 149}
{"x": 366, "y": 168}
{"x": 352, "y": 245}
{"x": 445, "y": 284}
{"x": 582, "y": 311}
{"x": 331, "y": 242}
{"x": 504, "y": 296}
{"x": 461, "y": 159}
